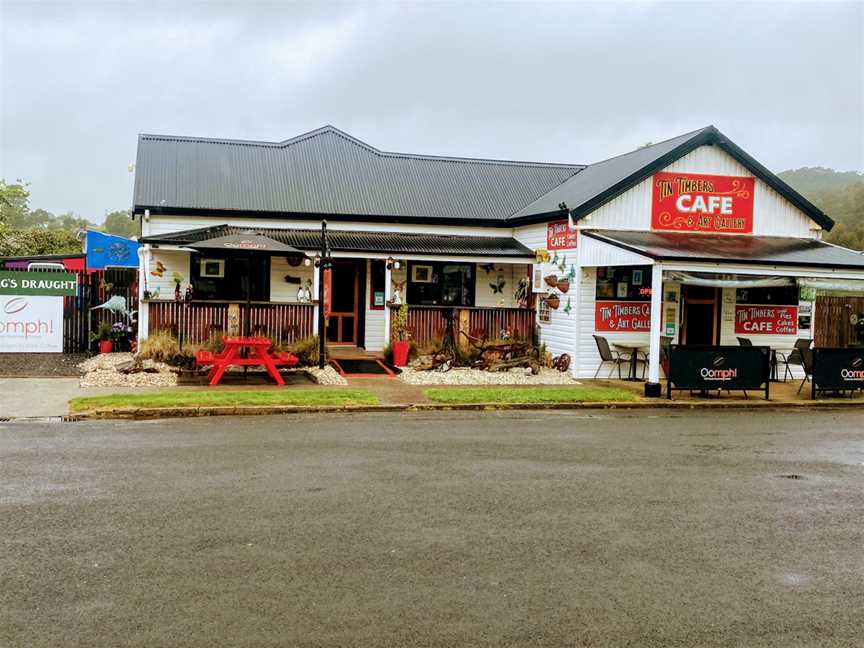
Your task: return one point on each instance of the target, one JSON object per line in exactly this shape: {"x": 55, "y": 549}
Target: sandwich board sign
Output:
{"x": 31, "y": 310}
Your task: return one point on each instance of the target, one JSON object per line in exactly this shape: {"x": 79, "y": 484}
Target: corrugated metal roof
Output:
{"x": 725, "y": 248}
{"x": 329, "y": 172}
{"x": 601, "y": 176}
{"x": 348, "y": 241}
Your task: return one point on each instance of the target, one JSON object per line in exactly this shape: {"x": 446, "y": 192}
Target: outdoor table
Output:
{"x": 231, "y": 356}
{"x": 634, "y": 348}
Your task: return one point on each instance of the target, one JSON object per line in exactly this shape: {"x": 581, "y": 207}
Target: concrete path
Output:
{"x": 29, "y": 397}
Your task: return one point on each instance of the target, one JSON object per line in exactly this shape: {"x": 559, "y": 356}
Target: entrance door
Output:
{"x": 701, "y": 315}
{"x": 342, "y": 326}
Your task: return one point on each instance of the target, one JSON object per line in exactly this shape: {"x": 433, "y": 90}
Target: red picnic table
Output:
{"x": 231, "y": 355}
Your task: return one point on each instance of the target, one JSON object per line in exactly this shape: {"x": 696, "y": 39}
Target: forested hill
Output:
{"x": 840, "y": 194}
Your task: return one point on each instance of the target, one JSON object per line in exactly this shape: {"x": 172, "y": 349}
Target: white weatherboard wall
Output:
{"x": 559, "y": 334}
{"x": 773, "y": 215}
{"x": 374, "y": 329}
{"x": 587, "y": 354}
{"x": 166, "y": 224}
{"x": 280, "y": 290}
{"x": 174, "y": 261}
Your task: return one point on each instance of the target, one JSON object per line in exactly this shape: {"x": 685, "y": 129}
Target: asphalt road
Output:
{"x": 457, "y": 529}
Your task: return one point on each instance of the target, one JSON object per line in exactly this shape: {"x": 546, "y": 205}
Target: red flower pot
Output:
{"x": 105, "y": 346}
{"x": 400, "y": 352}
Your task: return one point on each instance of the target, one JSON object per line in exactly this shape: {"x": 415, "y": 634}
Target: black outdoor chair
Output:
{"x": 807, "y": 363}
{"x": 616, "y": 358}
{"x": 794, "y": 356}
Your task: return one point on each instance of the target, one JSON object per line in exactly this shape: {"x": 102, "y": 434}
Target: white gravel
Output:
{"x": 99, "y": 371}
{"x": 463, "y": 376}
{"x": 326, "y": 376}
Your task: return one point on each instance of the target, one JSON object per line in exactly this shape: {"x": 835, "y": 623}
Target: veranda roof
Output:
{"x": 399, "y": 243}
{"x": 724, "y": 248}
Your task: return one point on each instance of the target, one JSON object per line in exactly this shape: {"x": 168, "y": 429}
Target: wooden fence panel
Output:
{"x": 831, "y": 327}
{"x": 196, "y": 322}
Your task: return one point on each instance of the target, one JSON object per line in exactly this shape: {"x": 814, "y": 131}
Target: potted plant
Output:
{"x": 103, "y": 337}
{"x": 400, "y": 337}
{"x": 120, "y": 333}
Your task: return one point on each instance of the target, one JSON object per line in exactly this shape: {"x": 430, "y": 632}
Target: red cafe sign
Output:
{"x": 622, "y": 316}
{"x": 766, "y": 320}
{"x": 691, "y": 202}
{"x": 559, "y": 236}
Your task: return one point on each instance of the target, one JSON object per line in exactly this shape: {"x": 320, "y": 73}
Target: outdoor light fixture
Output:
{"x": 393, "y": 264}
{"x": 307, "y": 262}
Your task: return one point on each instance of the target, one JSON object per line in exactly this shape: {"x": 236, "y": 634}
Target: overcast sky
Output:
{"x": 562, "y": 82}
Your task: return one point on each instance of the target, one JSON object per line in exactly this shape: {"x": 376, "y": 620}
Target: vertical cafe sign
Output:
{"x": 559, "y": 236}
{"x": 31, "y": 310}
{"x": 691, "y": 202}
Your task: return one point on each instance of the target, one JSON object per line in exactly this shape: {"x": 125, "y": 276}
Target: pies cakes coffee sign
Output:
{"x": 689, "y": 202}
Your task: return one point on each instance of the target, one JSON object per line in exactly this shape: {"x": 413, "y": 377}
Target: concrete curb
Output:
{"x": 181, "y": 412}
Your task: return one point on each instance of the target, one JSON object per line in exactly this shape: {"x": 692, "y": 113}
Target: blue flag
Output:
{"x": 109, "y": 251}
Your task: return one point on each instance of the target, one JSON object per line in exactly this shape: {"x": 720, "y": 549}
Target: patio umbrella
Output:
{"x": 251, "y": 243}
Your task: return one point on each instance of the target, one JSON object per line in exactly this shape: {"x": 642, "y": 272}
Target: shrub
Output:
{"x": 399, "y": 331}
{"x": 160, "y": 346}
{"x": 306, "y": 351}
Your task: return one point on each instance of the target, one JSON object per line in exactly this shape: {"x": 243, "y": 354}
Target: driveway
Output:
{"x": 440, "y": 529}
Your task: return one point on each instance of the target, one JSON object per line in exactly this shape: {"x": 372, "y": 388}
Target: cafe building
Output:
{"x": 688, "y": 242}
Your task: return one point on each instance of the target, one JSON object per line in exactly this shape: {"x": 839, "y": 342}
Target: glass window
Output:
{"x": 780, "y": 295}
{"x": 433, "y": 283}
{"x": 624, "y": 283}
{"x": 238, "y": 277}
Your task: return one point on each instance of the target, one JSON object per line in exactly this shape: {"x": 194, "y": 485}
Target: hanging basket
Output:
{"x": 554, "y": 301}
{"x": 564, "y": 285}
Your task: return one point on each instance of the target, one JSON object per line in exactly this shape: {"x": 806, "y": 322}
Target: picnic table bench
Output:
{"x": 258, "y": 354}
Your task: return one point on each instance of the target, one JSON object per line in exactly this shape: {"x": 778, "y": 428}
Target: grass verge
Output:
{"x": 456, "y": 395}
{"x": 308, "y": 397}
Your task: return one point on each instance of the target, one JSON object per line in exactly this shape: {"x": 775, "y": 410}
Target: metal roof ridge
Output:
{"x": 358, "y": 142}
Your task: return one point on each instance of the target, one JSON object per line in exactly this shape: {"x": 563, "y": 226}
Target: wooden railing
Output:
{"x": 429, "y": 322}
{"x": 196, "y": 322}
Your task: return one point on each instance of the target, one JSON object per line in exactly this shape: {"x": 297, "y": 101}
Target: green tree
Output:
{"x": 840, "y": 194}
{"x": 14, "y": 200}
{"x": 121, "y": 224}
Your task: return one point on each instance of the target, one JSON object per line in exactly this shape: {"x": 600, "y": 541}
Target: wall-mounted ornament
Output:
{"x": 562, "y": 263}
{"x": 498, "y": 286}
{"x": 488, "y": 267}
{"x": 398, "y": 287}
{"x": 292, "y": 280}
{"x": 522, "y": 292}
{"x": 541, "y": 256}
{"x": 564, "y": 284}
{"x": 294, "y": 261}
{"x": 568, "y": 307}
{"x": 160, "y": 269}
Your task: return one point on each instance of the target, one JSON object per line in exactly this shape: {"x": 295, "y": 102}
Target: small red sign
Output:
{"x": 328, "y": 291}
{"x": 691, "y": 202}
{"x": 766, "y": 320}
{"x": 622, "y": 316}
{"x": 559, "y": 236}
